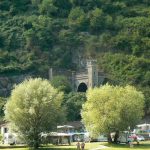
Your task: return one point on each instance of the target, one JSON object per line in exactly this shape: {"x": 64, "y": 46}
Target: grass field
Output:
{"x": 88, "y": 146}
{"x": 142, "y": 146}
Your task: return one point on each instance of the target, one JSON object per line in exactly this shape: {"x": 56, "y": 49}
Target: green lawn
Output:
{"x": 88, "y": 146}
{"x": 49, "y": 147}
{"x": 142, "y": 146}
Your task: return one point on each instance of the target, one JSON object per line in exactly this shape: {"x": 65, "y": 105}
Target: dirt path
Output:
{"x": 100, "y": 147}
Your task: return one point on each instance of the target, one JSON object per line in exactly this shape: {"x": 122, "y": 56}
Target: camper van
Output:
{"x": 12, "y": 139}
{"x": 9, "y": 138}
{"x": 124, "y": 137}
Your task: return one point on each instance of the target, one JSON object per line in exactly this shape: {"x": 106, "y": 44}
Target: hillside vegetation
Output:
{"x": 36, "y": 34}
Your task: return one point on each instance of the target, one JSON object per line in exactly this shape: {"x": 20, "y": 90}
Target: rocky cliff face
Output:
{"x": 7, "y": 83}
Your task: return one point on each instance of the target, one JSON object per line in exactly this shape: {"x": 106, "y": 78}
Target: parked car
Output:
{"x": 140, "y": 138}
{"x": 100, "y": 138}
{"x": 103, "y": 138}
{"x": 124, "y": 137}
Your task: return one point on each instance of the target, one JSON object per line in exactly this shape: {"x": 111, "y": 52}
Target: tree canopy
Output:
{"x": 34, "y": 26}
{"x": 73, "y": 103}
{"x": 112, "y": 108}
{"x": 61, "y": 83}
{"x": 34, "y": 107}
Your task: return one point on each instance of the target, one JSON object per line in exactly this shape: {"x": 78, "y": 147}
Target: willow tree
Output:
{"x": 112, "y": 109}
{"x": 34, "y": 107}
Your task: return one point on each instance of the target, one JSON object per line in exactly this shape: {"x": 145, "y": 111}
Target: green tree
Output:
{"x": 47, "y": 7}
{"x": 61, "y": 83}
{"x": 96, "y": 44}
{"x": 112, "y": 109}
{"x": 97, "y": 20}
{"x": 12, "y": 36}
{"x": 5, "y": 5}
{"x": 55, "y": 8}
{"x": 68, "y": 46}
{"x": 73, "y": 103}
{"x": 1, "y": 41}
{"x": 40, "y": 33}
{"x": 77, "y": 19}
{"x": 19, "y": 6}
{"x": 86, "y": 4}
{"x": 34, "y": 107}
{"x": 36, "y": 2}
{"x": 2, "y": 104}
{"x": 63, "y": 6}
{"x": 128, "y": 69}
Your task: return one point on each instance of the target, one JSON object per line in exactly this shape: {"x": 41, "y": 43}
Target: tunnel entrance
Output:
{"x": 82, "y": 87}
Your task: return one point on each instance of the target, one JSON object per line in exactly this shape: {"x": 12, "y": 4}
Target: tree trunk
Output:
{"x": 36, "y": 141}
{"x": 116, "y": 137}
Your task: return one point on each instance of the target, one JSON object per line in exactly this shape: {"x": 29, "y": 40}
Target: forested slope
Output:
{"x": 36, "y": 34}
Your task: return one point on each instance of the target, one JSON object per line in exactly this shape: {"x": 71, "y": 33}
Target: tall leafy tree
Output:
{"x": 73, "y": 103}
{"x": 128, "y": 69}
{"x": 34, "y": 107}
{"x": 39, "y": 32}
{"x": 97, "y": 21}
{"x": 61, "y": 83}
{"x": 55, "y": 8}
{"x": 47, "y": 7}
{"x": 112, "y": 109}
{"x": 77, "y": 19}
{"x": 19, "y": 6}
